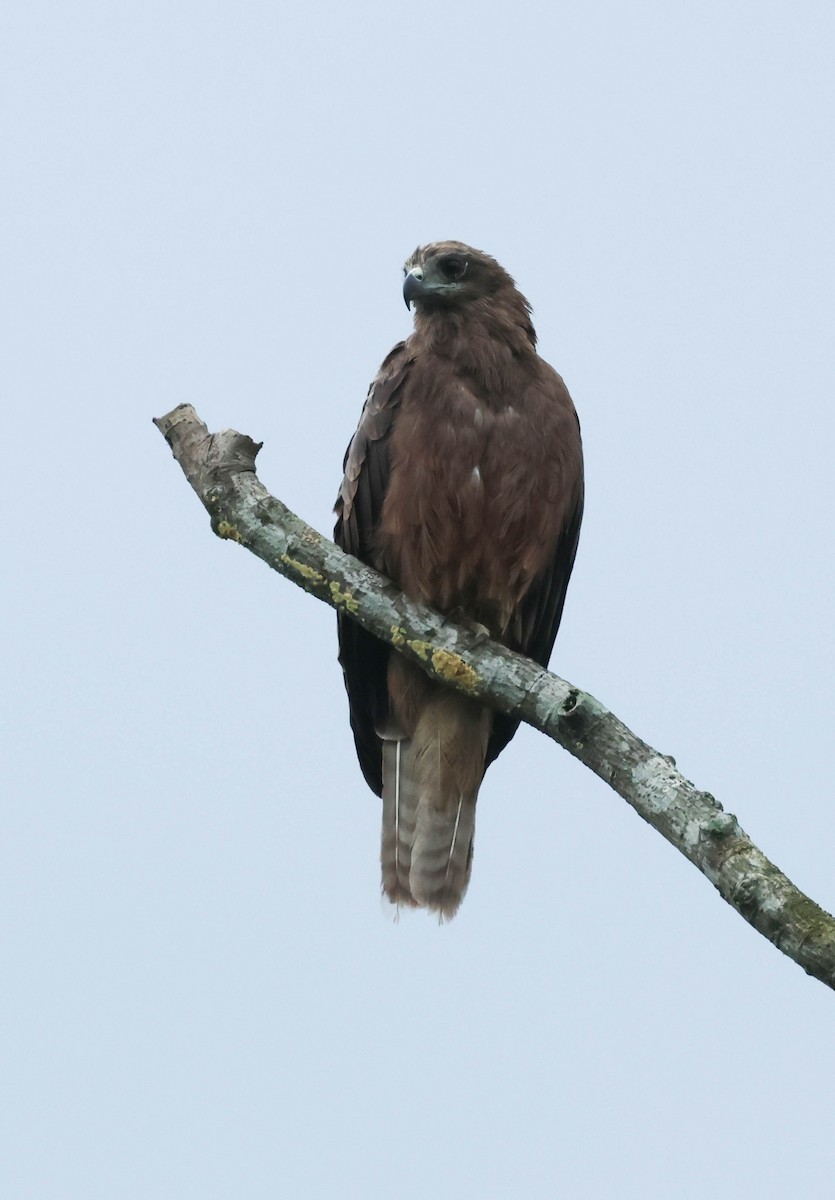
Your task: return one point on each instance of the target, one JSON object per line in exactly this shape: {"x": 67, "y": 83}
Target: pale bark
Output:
{"x": 221, "y": 469}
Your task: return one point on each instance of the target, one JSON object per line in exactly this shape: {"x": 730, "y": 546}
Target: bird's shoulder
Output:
{"x": 367, "y": 446}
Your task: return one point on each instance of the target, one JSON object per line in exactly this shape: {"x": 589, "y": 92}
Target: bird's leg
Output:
{"x": 457, "y": 616}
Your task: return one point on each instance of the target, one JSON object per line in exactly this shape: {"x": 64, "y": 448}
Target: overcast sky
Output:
{"x": 202, "y": 994}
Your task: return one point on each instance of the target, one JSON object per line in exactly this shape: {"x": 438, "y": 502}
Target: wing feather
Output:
{"x": 364, "y": 658}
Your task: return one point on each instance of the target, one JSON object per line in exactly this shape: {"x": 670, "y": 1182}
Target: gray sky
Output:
{"x": 202, "y": 995}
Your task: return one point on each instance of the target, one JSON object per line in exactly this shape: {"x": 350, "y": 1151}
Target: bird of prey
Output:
{"x": 464, "y": 485}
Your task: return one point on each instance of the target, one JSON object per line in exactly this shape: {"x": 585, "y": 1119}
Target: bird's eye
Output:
{"x": 452, "y": 267}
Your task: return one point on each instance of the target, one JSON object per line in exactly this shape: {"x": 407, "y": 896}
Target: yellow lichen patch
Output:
{"x": 225, "y": 530}
{"x": 303, "y": 571}
{"x": 453, "y": 668}
{"x": 398, "y": 636}
{"x": 421, "y": 649}
{"x": 345, "y": 600}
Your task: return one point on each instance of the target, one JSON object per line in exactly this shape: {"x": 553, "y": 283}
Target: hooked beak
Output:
{"x": 413, "y": 285}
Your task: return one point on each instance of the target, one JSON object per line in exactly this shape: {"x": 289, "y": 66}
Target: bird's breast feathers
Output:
{"x": 474, "y": 506}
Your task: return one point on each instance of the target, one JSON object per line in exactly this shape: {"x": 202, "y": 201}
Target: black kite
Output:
{"x": 464, "y": 485}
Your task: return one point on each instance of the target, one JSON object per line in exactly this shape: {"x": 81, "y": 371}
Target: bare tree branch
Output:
{"x": 221, "y": 469}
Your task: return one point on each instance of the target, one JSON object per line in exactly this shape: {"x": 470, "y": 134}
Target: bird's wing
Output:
{"x": 366, "y": 476}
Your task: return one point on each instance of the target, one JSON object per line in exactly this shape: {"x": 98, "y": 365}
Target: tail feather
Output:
{"x": 400, "y": 801}
{"x": 442, "y": 855}
{"x": 430, "y": 787}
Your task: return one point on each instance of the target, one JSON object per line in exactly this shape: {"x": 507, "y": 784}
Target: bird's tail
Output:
{"x": 430, "y": 787}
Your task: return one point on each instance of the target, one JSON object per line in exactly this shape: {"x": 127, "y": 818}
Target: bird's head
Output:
{"x": 450, "y": 275}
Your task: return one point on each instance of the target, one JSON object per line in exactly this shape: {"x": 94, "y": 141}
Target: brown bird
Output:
{"x": 464, "y": 485}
